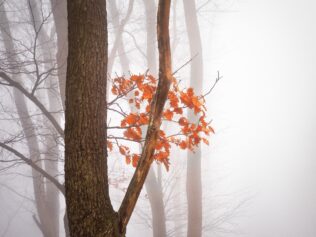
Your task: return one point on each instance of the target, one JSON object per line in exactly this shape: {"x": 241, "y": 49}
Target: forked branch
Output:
{"x": 157, "y": 105}
{"x": 34, "y": 166}
{"x": 49, "y": 116}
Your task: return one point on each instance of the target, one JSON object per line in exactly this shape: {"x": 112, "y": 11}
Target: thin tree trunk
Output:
{"x": 59, "y": 10}
{"x": 165, "y": 78}
{"x": 118, "y": 39}
{"x": 194, "y": 180}
{"x": 51, "y": 148}
{"x": 119, "y": 32}
{"x": 150, "y": 9}
{"x": 155, "y": 196}
{"x": 153, "y": 187}
{"x": 89, "y": 209}
{"x": 28, "y": 127}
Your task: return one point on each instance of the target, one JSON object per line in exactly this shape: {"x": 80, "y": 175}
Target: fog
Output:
{"x": 258, "y": 173}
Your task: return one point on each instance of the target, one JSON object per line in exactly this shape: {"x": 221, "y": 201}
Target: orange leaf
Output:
{"x": 148, "y": 92}
{"x": 168, "y": 114}
{"x": 131, "y": 119}
{"x": 152, "y": 79}
{"x": 128, "y": 159}
{"x": 143, "y": 119}
{"x": 166, "y": 163}
{"x": 133, "y": 133}
{"x": 183, "y": 145}
{"x": 158, "y": 145}
{"x": 137, "y": 79}
{"x": 123, "y": 150}
{"x": 110, "y": 145}
{"x": 186, "y": 129}
{"x": 161, "y": 155}
{"x": 178, "y": 110}
{"x": 185, "y": 99}
{"x": 148, "y": 108}
{"x": 183, "y": 121}
{"x": 114, "y": 90}
{"x": 190, "y": 92}
{"x": 205, "y": 141}
{"x": 173, "y": 99}
{"x": 135, "y": 159}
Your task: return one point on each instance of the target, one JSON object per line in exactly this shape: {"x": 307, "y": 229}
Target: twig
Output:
{"x": 34, "y": 166}
{"x": 216, "y": 81}
{"x": 186, "y": 63}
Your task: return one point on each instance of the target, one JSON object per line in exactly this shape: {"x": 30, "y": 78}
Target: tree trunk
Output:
{"x": 155, "y": 196}
{"x": 59, "y": 10}
{"x": 28, "y": 129}
{"x": 153, "y": 187}
{"x": 194, "y": 180}
{"x": 89, "y": 209}
{"x": 119, "y": 39}
{"x": 119, "y": 33}
{"x": 150, "y": 9}
{"x": 51, "y": 148}
{"x": 157, "y": 105}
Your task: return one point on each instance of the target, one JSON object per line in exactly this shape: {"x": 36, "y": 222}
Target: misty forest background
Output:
{"x": 257, "y": 176}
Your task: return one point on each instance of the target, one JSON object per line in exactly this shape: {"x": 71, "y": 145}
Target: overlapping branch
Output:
{"x": 34, "y": 166}
{"x": 30, "y": 96}
{"x": 157, "y": 105}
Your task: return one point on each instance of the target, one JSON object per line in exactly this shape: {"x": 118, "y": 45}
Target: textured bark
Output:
{"x": 89, "y": 209}
{"x": 90, "y": 213}
{"x": 153, "y": 188}
{"x": 165, "y": 78}
{"x": 194, "y": 180}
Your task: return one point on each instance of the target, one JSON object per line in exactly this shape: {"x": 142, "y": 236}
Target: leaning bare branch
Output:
{"x": 48, "y": 115}
{"x": 34, "y": 166}
{"x": 216, "y": 81}
{"x": 165, "y": 78}
{"x": 186, "y": 63}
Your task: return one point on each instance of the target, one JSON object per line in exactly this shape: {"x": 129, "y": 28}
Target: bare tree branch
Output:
{"x": 119, "y": 35}
{"x": 48, "y": 115}
{"x": 34, "y": 166}
{"x": 165, "y": 78}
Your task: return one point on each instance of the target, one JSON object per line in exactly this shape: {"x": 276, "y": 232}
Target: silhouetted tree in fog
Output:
{"x": 194, "y": 179}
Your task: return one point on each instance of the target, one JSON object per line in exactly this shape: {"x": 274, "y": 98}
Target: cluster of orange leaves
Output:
{"x": 138, "y": 91}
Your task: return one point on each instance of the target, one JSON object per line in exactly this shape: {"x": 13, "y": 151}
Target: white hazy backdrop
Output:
{"x": 259, "y": 173}
{"x": 264, "y": 112}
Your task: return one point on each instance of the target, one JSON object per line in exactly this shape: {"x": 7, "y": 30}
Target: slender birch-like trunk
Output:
{"x": 194, "y": 179}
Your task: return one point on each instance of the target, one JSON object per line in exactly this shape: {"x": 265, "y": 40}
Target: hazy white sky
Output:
{"x": 264, "y": 109}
